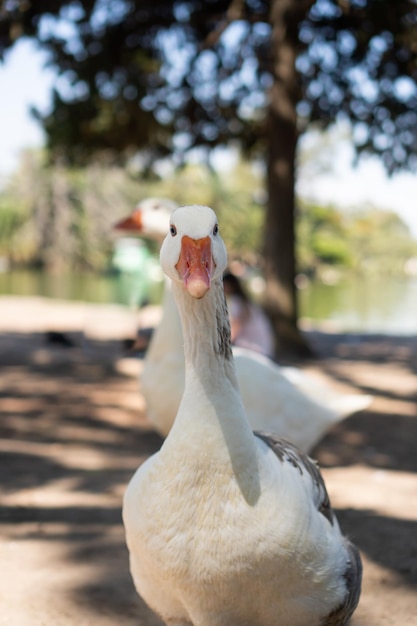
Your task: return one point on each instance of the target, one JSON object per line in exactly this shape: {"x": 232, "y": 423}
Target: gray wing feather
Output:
{"x": 287, "y": 452}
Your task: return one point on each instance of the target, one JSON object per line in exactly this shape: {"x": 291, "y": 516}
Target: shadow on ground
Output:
{"x": 73, "y": 431}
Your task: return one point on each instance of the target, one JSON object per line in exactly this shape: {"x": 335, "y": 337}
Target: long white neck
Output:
{"x": 207, "y": 347}
{"x": 211, "y": 416}
{"x": 167, "y": 337}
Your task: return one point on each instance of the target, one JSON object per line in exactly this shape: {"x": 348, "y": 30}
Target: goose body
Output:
{"x": 225, "y": 527}
{"x": 278, "y": 399}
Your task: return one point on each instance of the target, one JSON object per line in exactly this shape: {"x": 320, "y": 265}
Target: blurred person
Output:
{"x": 250, "y": 327}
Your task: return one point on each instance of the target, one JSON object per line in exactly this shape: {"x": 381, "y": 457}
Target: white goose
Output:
{"x": 278, "y": 399}
{"x": 225, "y": 527}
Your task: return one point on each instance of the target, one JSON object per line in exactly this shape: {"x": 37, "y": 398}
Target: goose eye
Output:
{"x": 215, "y": 229}
{"x": 173, "y": 230}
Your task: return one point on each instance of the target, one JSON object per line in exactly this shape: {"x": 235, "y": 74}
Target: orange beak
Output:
{"x": 195, "y": 265}
{"x": 133, "y": 223}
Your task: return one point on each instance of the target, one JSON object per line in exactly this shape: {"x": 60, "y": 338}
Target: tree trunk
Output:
{"x": 279, "y": 237}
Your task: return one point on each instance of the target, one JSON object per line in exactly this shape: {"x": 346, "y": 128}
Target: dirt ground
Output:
{"x": 73, "y": 431}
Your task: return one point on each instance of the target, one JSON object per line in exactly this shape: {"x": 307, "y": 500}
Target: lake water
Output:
{"x": 126, "y": 289}
{"x": 378, "y": 305}
{"x": 373, "y": 305}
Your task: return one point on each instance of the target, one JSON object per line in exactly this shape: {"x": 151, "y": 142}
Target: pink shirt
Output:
{"x": 251, "y": 328}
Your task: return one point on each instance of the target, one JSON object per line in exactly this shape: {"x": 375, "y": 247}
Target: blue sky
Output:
{"x": 24, "y": 81}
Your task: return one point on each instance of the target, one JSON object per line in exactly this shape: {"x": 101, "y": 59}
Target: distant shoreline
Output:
{"x": 117, "y": 321}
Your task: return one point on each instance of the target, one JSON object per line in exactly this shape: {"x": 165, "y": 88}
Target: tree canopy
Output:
{"x": 176, "y": 74}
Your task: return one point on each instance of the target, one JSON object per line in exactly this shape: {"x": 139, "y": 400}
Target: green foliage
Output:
{"x": 330, "y": 250}
{"x": 369, "y": 241}
{"x": 62, "y": 218}
{"x": 382, "y": 242}
{"x": 322, "y": 239}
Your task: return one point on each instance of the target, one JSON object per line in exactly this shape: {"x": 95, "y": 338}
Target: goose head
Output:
{"x": 150, "y": 218}
{"x": 193, "y": 253}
